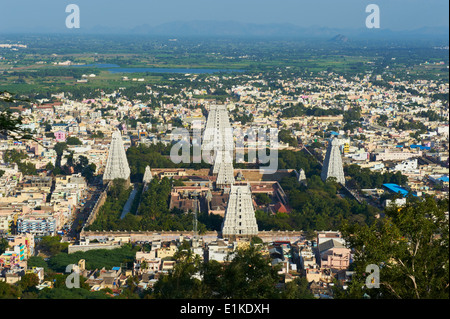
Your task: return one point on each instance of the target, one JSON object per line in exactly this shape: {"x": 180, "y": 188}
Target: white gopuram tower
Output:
{"x": 332, "y": 165}
{"x": 302, "y": 177}
{"x": 239, "y": 219}
{"x": 147, "y": 175}
{"x": 218, "y": 145}
{"x": 117, "y": 163}
{"x": 225, "y": 171}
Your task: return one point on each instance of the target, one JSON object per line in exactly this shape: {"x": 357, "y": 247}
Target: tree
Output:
{"x": 8, "y": 291}
{"x": 72, "y": 140}
{"x": 3, "y": 245}
{"x": 37, "y": 261}
{"x": 49, "y": 166}
{"x": 98, "y": 134}
{"x": 52, "y": 245}
{"x": 311, "y": 235}
{"x": 246, "y": 275}
{"x": 10, "y": 123}
{"x": 14, "y": 156}
{"x": 353, "y": 114}
{"x": 249, "y": 275}
{"x": 256, "y": 240}
{"x": 285, "y": 136}
{"x": 411, "y": 248}
{"x": 131, "y": 288}
{"x": 212, "y": 275}
{"x": 28, "y": 282}
{"x": 263, "y": 199}
{"x": 297, "y": 289}
{"x": 89, "y": 171}
{"x": 59, "y": 148}
{"x": 180, "y": 283}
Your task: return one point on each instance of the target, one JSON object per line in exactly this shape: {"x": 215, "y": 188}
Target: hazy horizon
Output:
{"x": 49, "y": 15}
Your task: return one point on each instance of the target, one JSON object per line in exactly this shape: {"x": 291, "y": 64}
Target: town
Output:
{"x": 97, "y": 174}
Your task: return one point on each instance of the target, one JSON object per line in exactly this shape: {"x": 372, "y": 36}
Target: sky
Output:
{"x": 50, "y": 15}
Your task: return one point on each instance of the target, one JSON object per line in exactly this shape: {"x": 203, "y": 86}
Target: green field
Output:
{"x": 34, "y": 71}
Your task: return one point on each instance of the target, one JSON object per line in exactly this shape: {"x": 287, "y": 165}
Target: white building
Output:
{"x": 117, "y": 163}
{"x": 239, "y": 219}
{"x": 406, "y": 166}
{"x": 332, "y": 165}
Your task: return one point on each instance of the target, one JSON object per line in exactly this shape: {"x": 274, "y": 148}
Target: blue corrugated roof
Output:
{"x": 420, "y": 146}
{"x": 396, "y": 189}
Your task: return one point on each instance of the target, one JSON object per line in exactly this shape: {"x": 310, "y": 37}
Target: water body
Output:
{"x": 114, "y": 68}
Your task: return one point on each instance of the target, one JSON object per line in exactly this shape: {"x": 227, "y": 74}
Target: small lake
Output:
{"x": 114, "y": 68}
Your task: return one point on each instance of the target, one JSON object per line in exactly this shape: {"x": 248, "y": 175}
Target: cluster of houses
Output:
{"x": 378, "y": 145}
{"x": 40, "y": 205}
{"x": 322, "y": 261}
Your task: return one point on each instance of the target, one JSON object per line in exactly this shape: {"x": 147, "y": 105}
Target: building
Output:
{"x": 60, "y": 136}
{"x": 388, "y": 155}
{"x": 399, "y": 202}
{"x": 147, "y": 175}
{"x": 332, "y": 165}
{"x": 302, "y": 177}
{"x": 26, "y": 240}
{"x": 39, "y": 182}
{"x": 167, "y": 249}
{"x": 117, "y": 163}
{"x": 220, "y": 250}
{"x": 324, "y": 236}
{"x": 240, "y": 217}
{"x": 15, "y": 257}
{"x": 6, "y": 220}
{"x": 37, "y": 224}
{"x": 334, "y": 255}
{"x": 406, "y": 166}
{"x": 397, "y": 189}
{"x": 307, "y": 258}
{"x": 218, "y": 145}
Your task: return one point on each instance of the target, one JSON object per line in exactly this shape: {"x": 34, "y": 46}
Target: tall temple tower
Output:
{"x": 117, "y": 163}
{"x": 302, "y": 177}
{"x": 240, "y": 219}
{"x": 332, "y": 165}
{"x": 147, "y": 175}
{"x": 218, "y": 144}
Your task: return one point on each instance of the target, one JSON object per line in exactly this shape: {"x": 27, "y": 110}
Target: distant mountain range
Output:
{"x": 339, "y": 39}
{"x": 240, "y": 29}
{"x": 233, "y": 28}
